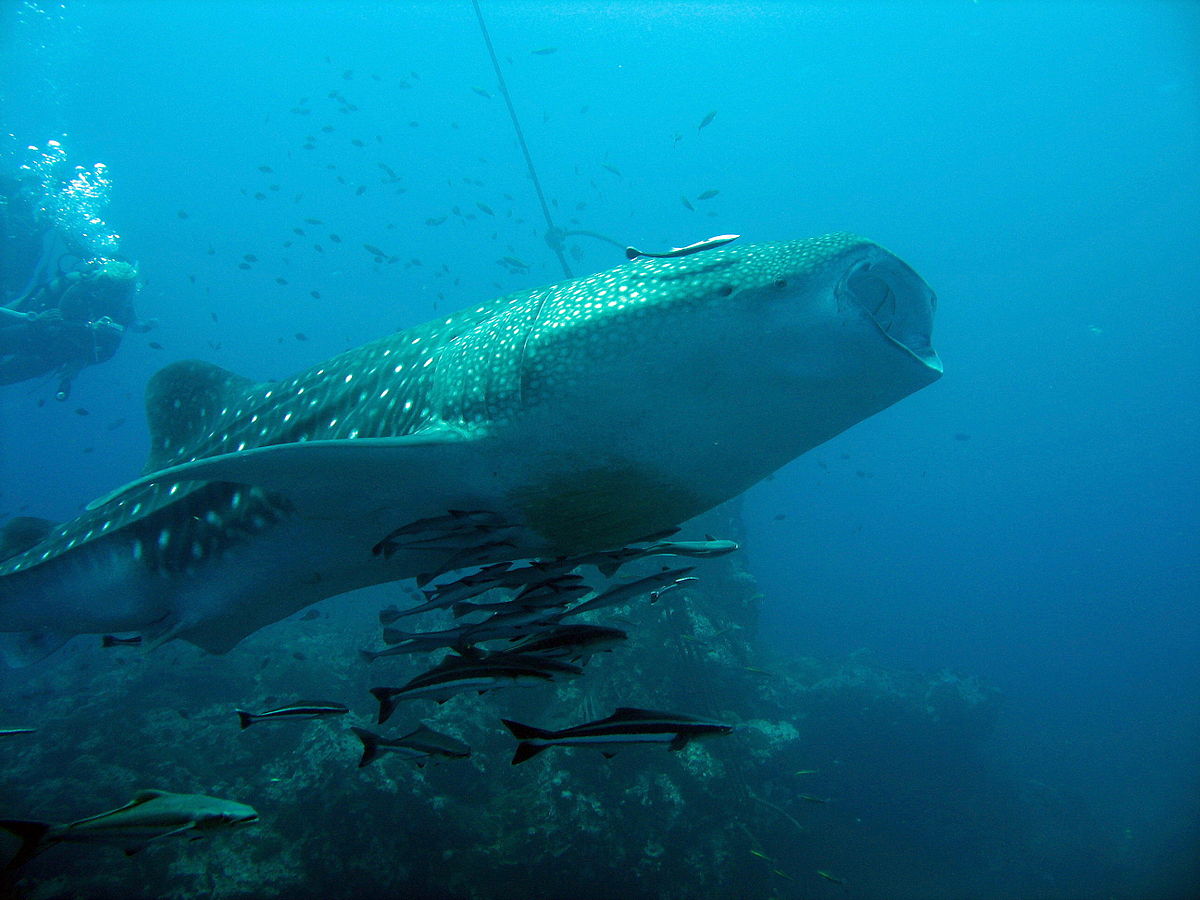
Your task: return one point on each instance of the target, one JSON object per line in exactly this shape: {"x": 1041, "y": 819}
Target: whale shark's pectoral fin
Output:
{"x": 305, "y": 468}
{"x": 24, "y": 648}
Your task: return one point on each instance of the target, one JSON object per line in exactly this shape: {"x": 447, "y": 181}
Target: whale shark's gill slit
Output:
{"x": 522, "y": 371}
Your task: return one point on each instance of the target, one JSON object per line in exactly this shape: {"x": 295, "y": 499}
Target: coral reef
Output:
{"x": 826, "y": 751}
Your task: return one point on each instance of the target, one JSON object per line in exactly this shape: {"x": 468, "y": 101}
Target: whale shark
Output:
{"x": 565, "y": 419}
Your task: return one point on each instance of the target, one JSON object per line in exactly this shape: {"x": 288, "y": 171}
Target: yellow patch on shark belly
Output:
{"x": 602, "y": 507}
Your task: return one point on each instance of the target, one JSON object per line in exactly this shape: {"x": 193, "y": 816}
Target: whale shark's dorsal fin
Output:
{"x": 182, "y": 401}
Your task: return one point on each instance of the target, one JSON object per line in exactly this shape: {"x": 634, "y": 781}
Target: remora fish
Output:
{"x": 705, "y": 549}
{"x": 456, "y": 674}
{"x": 624, "y": 593}
{"x": 418, "y": 745}
{"x": 150, "y": 815}
{"x": 707, "y": 244}
{"x": 261, "y": 499}
{"x": 627, "y": 725}
{"x": 570, "y": 642}
{"x": 308, "y": 709}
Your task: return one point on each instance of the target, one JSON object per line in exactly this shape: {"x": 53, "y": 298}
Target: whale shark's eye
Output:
{"x": 725, "y": 290}
{"x": 779, "y": 283}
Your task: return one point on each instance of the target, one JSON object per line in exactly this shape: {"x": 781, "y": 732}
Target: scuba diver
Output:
{"x": 55, "y": 321}
{"x": 71, "y": 322}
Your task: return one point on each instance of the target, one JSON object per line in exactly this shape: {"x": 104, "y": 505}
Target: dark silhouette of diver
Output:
{"x": 71, "y": 322}
{"x": 55, "y": 322}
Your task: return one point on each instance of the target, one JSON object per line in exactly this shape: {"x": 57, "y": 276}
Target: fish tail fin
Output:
{"x": 609, "y": 569}
{"x": 395, "y": 635}
{"x": 526, "y": 750}
{"x": 526, "y": 732}
{"x": 246, "y": 719}
{"x": 462, "y": 608}
{"x": 33, "y": 840}
{"x": 108, "y": 641}
{"x": 370, "y": 742}
{"x": 368, "y": 655}
{"x": 387, "y": 705}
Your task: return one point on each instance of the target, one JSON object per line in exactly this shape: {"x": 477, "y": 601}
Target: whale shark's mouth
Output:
{"x": 898, "y": 301}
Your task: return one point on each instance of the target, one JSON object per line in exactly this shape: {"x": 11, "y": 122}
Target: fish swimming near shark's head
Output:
{"x": 579, "y": 416}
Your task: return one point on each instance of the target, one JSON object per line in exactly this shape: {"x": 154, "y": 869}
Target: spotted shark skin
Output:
{"x": 585, "y": 414}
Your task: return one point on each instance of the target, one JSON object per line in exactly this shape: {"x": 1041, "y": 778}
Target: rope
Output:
{"x": 554, "y": 235}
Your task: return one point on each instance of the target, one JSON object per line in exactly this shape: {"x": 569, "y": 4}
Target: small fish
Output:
{"x": 627, "y": 725}
{"x": 266, "y": 170}
{"x": 313, "y": 222}
{"x": 115, "y": 424}
{"x": 150, "y": 815}
{"x": 708, "y": 195}
{"x": 281, "y": 280}
{"x": 657, "y": 595}
{"x": 757, "y": 671}
{"x": 456, "y": 674}
{"x": 316, "y": 295}
{"x": 358, "y": 143}
{"x": 335, "y": 239}
{"x": 806, "y": 772}
{"x": 304, "y": 710}
{"x": 455, "y": 523}
{"x": 612, "y": 169}
{"x": 625, "y": 593}
{"x": 401, "y": 642}
{"x": 111, "y": 640}
{"x": 374, "y": 251}
{"x": 710, "y": 243}
{"x": 544, "y": 51}
{"x": 301, "y": 336}
{"x": 482, "y": 93}
{"x": 707, "y": 120}
{"x": 362, "y": 189}
{"x": 437, "y": 221}
{"x": 570, "y": 642}
{"x": 782, "y": 874}
{"x": 9, "y": 732}
{"x": 80, "y": 411}
{"x": 685, "y": 202}
{"x": 760, "y": 855}
{"x": 182, "y": 214}
{"x": 811, "y": 799}
{"x": 829, "y": 877}
{"x": 419, "y": 745}
{"x": 484, "y": 208}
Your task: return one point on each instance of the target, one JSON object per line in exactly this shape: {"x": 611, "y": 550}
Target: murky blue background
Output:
{"x": 1032, "y": 518}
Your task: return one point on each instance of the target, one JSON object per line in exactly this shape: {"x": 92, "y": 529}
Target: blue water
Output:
{"x": 1030, "y": 519}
